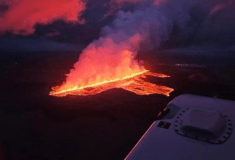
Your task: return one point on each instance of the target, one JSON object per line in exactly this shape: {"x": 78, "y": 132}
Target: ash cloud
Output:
{"x": 20, "y": 16}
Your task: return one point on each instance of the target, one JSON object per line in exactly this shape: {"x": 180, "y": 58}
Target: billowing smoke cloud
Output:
{"x": 147, "y": 27}
{"x": 153, "y": 23}
{"x": 20, "y": 16}
{"x": 197, "y": 20}
{"x": 105, "y": 59}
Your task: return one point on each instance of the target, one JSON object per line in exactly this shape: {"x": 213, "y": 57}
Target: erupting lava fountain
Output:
{"x": 109, "y": 66}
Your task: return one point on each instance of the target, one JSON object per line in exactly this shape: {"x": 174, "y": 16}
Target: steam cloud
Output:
{"x": 22, "y": 15}
{"x": 141, "y": 30}
{"x": 105, "y": 59}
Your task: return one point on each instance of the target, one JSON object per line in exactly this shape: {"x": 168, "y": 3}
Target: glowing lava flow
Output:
{"x": 135, "y": 83}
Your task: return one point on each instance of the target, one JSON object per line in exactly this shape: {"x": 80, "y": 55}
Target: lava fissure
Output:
{"x": 135, "y": 83}
{"x": 106, "y": 64}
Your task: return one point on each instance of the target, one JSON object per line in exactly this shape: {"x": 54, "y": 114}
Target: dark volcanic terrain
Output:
{"x": 35, "y": 126}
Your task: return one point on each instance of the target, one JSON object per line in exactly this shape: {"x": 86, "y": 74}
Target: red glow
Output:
{"x": 104, "y": 65}
{"x": 22, "y": 15}
{"x": 135, "y": 83}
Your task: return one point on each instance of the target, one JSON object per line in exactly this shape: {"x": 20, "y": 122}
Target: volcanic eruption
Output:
{"x": 106, "y": 64}
{"x": 110, "y": 61}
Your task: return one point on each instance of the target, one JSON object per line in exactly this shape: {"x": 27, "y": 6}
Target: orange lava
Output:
{"x": 106, "y": 64}
{"x": 136, "y": 83}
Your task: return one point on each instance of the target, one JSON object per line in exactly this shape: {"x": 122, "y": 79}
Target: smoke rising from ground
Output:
{"x": 20, "y": 16}
{"x": 105, "y": 59}
{"x": 194, "y": 21}
{"x": 198, "y": 21}
{"x": 146, "y": 28}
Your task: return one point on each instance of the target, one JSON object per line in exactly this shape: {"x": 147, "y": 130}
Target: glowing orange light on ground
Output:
{"x": 135, "y": 83}
{"x": 104, "y": 65}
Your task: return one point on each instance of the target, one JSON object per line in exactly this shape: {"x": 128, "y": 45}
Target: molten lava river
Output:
{"x": 135, "y": 83}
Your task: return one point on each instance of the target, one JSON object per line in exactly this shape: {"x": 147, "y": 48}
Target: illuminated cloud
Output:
{"x": 22, "y": 15}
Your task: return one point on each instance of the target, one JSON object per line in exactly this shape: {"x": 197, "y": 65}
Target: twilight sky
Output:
{"x": 27, "y": 25}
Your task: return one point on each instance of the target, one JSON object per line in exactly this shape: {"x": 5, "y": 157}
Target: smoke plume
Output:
{"x": 22, "y": 15}
{"x": 147, "y": 27}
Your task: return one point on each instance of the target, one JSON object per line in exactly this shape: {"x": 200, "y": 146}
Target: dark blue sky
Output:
{"x": 201, "y": 23}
